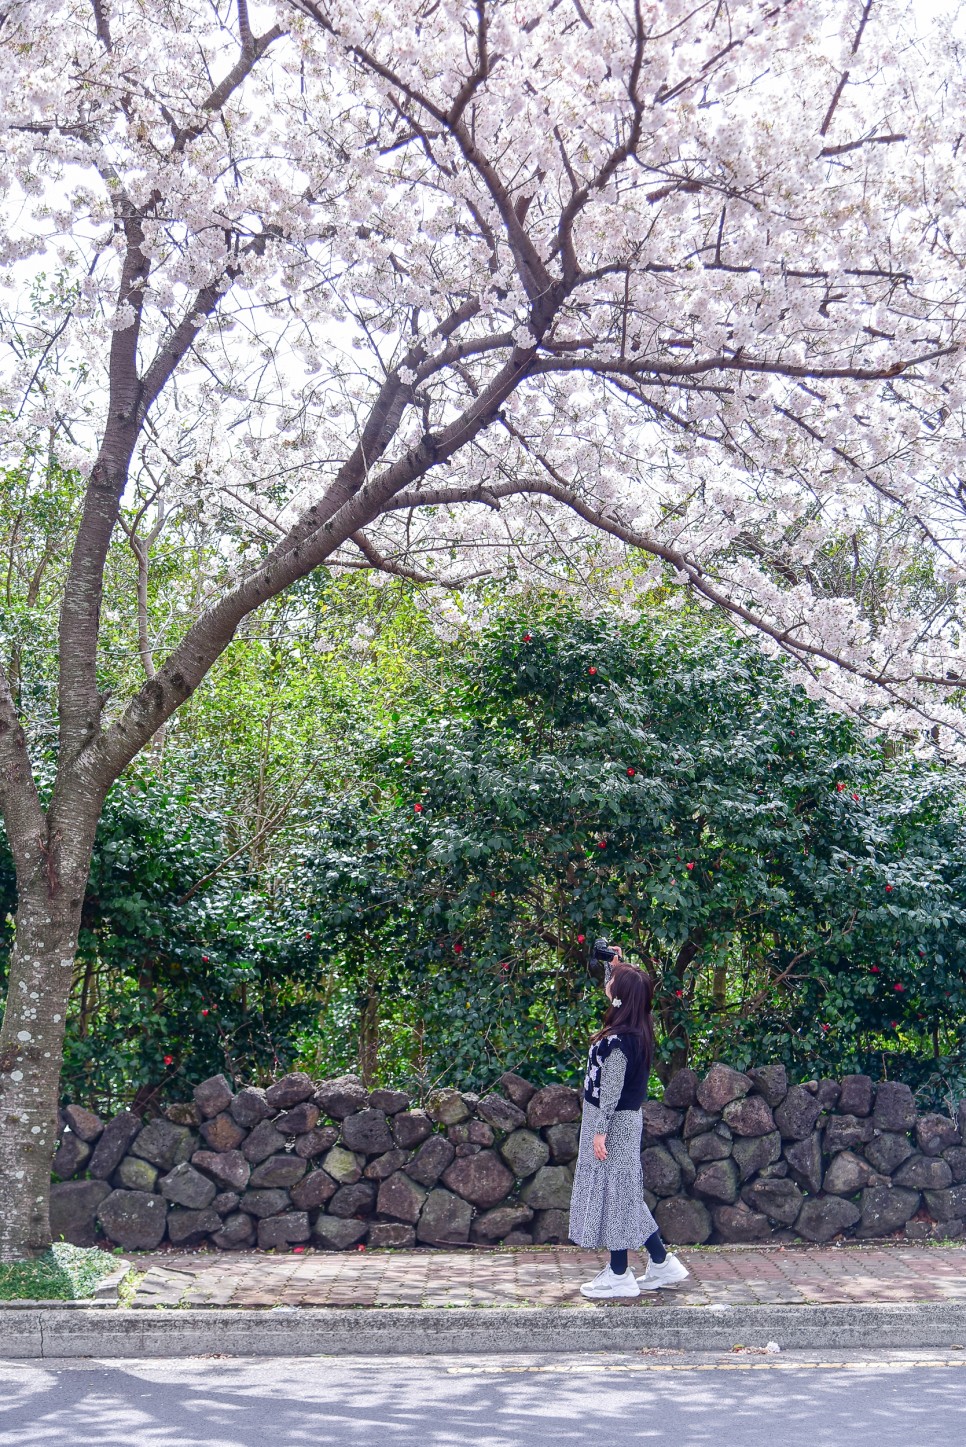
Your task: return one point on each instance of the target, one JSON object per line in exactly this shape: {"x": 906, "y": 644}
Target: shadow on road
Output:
{"x": 420, "y": 1402}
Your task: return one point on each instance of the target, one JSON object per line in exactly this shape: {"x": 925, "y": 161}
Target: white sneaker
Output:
{"x": 608, "y": 1285}
{"x": 669, "y": 1273}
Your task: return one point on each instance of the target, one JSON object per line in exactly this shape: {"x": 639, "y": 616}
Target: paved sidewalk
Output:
{"x": 550, "y": 1277}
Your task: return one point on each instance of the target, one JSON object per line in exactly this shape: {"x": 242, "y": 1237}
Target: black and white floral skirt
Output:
{"x": 607, "y": 1208}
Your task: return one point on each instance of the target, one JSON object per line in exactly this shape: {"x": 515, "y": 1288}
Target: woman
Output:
{"x": 608, "y": 1207}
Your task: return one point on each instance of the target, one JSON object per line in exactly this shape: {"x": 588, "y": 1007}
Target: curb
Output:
{"x": 418, "y": 1331}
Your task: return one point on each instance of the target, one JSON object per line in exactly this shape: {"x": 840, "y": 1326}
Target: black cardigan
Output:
{"x": 636, "y": 1073}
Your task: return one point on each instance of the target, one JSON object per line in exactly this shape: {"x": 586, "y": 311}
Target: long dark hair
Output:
{"x": 632, "y": 1016}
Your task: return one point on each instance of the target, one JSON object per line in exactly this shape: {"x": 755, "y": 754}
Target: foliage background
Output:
{"x": 374, "y": 842}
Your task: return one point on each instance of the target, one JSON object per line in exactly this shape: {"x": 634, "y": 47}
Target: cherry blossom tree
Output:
{"x": 672, "y": 291}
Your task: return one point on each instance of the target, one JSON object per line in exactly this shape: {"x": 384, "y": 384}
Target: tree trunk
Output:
{"x": 31, "y": 1050}
{"x": 369, "y": 1036}
{"x": 47, "y": 924}
{"x": 675, "y": 1032}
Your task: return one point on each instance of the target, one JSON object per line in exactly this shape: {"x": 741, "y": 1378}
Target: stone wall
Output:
{"x": 729, "y": 1157}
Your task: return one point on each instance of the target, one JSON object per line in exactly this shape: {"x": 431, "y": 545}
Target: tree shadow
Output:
{"x": 421, "y": 1402}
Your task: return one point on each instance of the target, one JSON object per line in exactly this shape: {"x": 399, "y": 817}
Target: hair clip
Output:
{"x": 617, "y": 1004}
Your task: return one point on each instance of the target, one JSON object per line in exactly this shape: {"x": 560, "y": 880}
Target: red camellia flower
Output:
{"x": 360, "y": 1248}
{"x": 591, "y": 671}
{"x": 505, "y": 966}
{"x": 169, "y": 1060}
{"x": 689, "y": 866}
{"x": 888, "y": 889}
{"x": 458, "y": 949}
{"x": 826, "y": 1027}
{"x": 298, "y": 1250}
{"x": 895, "y": 1024}
{"x": 839, "y": 788}
{"x": 899, "y": 988}
{"x": 580, "y": 939}
{"x": 204, "y": 1012}
{"x": 631, "y": 773}
{"x": 418, "y": 808}
{"x": 855, "y": 796}
{"x": 601, "y": 843}
{"x": 308, "y": 934}
{"x": 874, "y": 970}
{"x": 204, "y": 959}
{"x": 679, "y": 993}
{"x": 527, "y": 637}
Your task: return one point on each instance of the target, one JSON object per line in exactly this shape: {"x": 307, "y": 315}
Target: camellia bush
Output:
{"x": 794, "y": 889}
{"x": 178, "y": 974}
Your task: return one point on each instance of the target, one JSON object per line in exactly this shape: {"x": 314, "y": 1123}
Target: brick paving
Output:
{"x": 550, "y": 1276}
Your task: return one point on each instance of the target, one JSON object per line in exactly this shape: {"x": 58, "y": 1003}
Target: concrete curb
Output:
{"x": 414, "y": 1331}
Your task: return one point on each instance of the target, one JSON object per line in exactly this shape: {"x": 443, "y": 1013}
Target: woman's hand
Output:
{"x": 600, "y": 1147}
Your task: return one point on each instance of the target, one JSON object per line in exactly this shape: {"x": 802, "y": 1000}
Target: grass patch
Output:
{"x": 63, "y": 1273}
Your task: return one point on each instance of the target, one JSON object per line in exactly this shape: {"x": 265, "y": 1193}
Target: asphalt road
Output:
{"x": 753, "y": 1401}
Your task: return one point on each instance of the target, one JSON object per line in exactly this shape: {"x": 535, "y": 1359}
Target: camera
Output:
{"x": 600, "y": 955}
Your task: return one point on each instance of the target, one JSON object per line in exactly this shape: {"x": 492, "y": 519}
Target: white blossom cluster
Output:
{"x": 552, "y": 290}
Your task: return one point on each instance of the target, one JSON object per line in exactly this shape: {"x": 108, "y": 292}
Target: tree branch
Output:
{"x": 20, "y": 805}
{"x": 531, "y": 269}
{"x": 223, "y": 91}
{"x": 563, "y": 242}
{"x": 698, "y": 581}
{"x": 844, "y": 80}
{"x": 733, "y": 362}
{"x": 381, "y": 426}
{"x": 207, "y": 639}
{"x": 375, "y": 559}
{"x": 103, "y": 26}
{"x": 268, "y": 827}
{"x": 846, "y": 146}
{"x": 78, "y": 701}
{"x": 129, "y": 399}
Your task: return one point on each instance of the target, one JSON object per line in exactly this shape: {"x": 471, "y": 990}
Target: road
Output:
{"x": 613, "y": 1400}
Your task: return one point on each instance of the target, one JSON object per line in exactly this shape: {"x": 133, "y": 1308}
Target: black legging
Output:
{"x": 654, "y": 1247}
